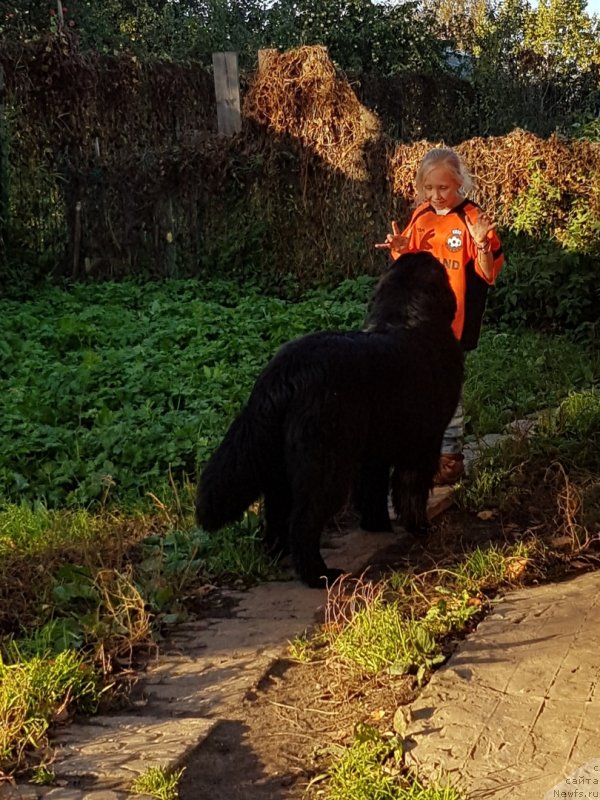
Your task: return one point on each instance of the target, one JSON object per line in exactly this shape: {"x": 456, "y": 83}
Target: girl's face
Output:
{"x": 440, "y": 188}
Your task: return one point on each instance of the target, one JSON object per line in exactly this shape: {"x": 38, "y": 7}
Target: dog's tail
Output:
{"x": 235, "y": 475}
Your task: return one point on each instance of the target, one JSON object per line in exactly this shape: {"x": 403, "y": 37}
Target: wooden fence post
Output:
{"x": 227, "y": 91}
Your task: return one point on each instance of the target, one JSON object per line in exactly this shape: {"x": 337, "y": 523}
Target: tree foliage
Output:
{"x": 536, "y": 67}
{"x": 562, "y": 35}
{"x": 460, "y": 22}
{"x": 362, "y": 36}
{"x": 556, "y": 38}
{"x": 531, "y": 66}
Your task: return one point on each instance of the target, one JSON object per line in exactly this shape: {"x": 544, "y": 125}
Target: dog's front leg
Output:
{"x": 306, "y": 525}
{"x": 410, "y": 492}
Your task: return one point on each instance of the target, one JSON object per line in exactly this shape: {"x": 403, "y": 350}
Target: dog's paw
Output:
{"x": 419, "y": 529}
{"x": 325, "y": 580}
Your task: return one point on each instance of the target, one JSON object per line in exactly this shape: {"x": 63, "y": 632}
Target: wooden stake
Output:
{"x": 227, "y": 91}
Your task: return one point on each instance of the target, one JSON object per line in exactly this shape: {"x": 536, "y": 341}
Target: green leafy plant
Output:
{"x": 548, "y": 284}
{"x": 82, "y": 370}
{"x": 531, "y": 207}
{"x": 379, "y": 637}
{"x": 158, "y": 782}
{"x": 372, "y": 769}
{"x": 372, "y": 628}
{"x": 511, "y": 375}
{"x": 173, "y": 561}
{"x": 43, "y": 776}
{"x": 100, "y": 611}
{"x": 96, "y": 412}
{"x": 491, "y": 566}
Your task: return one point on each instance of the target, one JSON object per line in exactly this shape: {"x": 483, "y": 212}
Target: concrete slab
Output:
{"x": 517, "y": 707}
{"x": 111, "y": 751}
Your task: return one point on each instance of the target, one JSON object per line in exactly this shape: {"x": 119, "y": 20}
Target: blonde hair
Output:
{"x": 451, "y": 159}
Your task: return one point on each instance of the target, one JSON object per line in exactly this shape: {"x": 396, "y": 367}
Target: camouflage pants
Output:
{"x": 455, "y": 432}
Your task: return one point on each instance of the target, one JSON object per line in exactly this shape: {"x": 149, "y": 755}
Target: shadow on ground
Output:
{"x": 225, "y": 767}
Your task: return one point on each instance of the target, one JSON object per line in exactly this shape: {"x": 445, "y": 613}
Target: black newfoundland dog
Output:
{"x": 342, "y": 411}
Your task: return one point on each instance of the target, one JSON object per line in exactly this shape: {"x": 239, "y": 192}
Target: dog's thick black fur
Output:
{"x": 333, "y": 411}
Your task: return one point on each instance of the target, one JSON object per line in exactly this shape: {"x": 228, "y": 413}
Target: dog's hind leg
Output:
{"x": 371, "y": 496}
{"x": 278, "y": 507}
{"x": 410, "y": 492}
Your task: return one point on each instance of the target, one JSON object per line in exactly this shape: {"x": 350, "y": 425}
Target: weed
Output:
{"x": 453, "y": 611}
{"x": 495, "y": 478}
{"x": 549, "y": 287}
{"x": 158, "y": 782}
{"x": 301, "y": 649}
{"x": 172, "y": 562}
{"x": 43, "y": 776}
{"x": 372, "y": 769}
{"x": 32, "y": 529}
{"x": 571, "y": 433}
{"x": 378, "y": 638}
{"x": 34, "y": 692}
{"x": 84, "y": 369}
{"x": 492, "y": 566}
{"x": 509, "y": 471}
{"x": 100, "y": 611}
{"x": 371, "y": 630}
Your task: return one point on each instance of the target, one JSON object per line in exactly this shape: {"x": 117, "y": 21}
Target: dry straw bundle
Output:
{"x": 300, "y": 93}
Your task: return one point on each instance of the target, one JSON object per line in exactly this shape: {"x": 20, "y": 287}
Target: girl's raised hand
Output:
{"x": 480, "y": 228}
{"x": 394, "y": 242}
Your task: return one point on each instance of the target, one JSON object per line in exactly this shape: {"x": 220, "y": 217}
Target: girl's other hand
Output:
{"x": 480, "y": 229}
{"x": 394, "y": 242}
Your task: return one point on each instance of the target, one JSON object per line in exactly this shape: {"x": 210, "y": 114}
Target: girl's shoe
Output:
{"x": 451, "y": 468}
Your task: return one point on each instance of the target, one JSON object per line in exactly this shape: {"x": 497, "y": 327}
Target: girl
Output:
{"x": 463, "y": 237}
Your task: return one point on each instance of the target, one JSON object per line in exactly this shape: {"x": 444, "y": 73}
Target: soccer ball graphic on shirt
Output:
{"x": 454, "y": 241}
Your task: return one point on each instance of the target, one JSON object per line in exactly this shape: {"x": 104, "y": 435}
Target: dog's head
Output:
{"x": 414, "y": 291}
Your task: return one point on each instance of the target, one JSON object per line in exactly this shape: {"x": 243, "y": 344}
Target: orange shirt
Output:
{"x": 447, "y": 238}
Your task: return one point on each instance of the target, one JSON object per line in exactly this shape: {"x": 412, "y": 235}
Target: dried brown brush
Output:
{"x": 503, "y": 167}
{"x": 300, "y": 93}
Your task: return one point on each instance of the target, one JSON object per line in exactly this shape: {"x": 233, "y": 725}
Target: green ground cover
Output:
{"x": 109, "y": 392}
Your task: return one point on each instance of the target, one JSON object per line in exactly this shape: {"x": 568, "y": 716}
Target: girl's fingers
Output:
{"x": 391, "y": 240}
